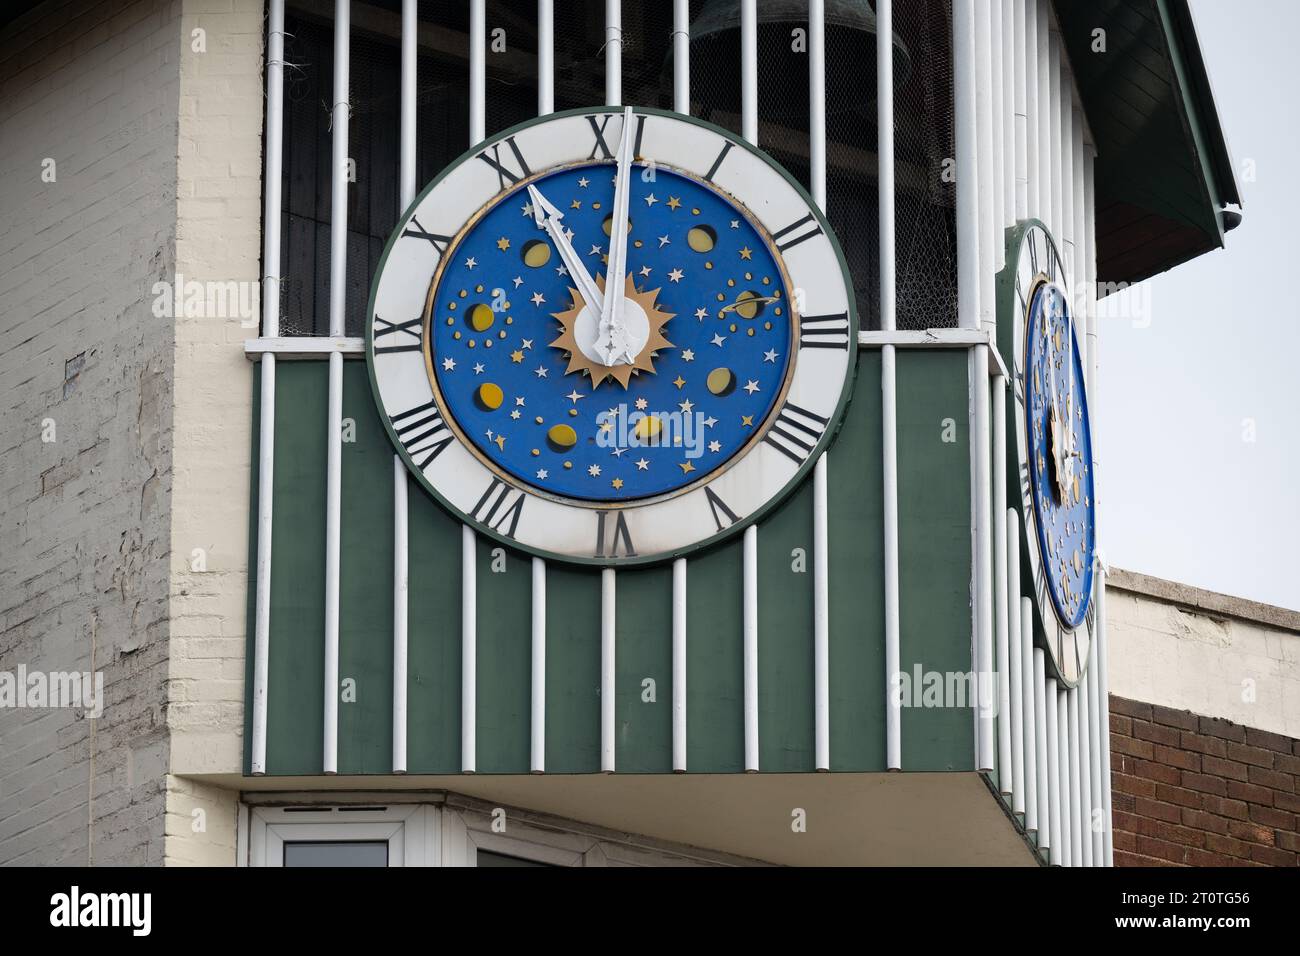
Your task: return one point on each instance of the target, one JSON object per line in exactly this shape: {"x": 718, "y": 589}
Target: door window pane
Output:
{"x": 337, "y": 853}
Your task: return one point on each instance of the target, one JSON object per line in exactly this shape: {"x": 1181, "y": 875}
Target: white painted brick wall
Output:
{"x": 84, "y": 522}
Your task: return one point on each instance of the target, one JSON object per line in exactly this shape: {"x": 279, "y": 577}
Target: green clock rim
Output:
{"x": 832, "y": 428}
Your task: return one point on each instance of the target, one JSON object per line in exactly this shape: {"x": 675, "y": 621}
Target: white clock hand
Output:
{"x": 547, "y": 217}
{"x": 613, "y": 335}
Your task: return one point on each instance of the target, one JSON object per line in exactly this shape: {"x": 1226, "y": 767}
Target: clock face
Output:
{"x": 599, "y": 427}
{"x": 1054, "y": 443}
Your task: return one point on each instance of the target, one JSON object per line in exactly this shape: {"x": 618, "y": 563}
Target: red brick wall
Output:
{"x": 1199, "y": 791}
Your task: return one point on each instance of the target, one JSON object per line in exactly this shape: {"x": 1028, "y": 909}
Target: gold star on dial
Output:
{"x": 516, "y": 356}
{"x": 747, "y": 421}
{"x": 686, "y": 467}
{"x": 500, "y": 441}
{"x": 674, "y": 202}
{"x": 503, "y": 243}
{"x": 679, "y": 381}
{"x": 746, "y": 253}
{"x": 617, "y": 483}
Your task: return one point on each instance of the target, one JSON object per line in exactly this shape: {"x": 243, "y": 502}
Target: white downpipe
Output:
{"x": 468, "y": 650}
{"x": 1001, "y": 586}
{"x": 1103, "y": 691}
{"x": 1066, "y": 178}
{"x": 1052, "y": 713}
{"x": 334, "y": 425}
{"x": 545, "y": 57}
{"x": 682, "y": 104}
{"x": 1019, "y": 718}
{"x": 1020, "y": 11}
{"x": 821, "y": 543}
{"x": 983, "y": 569}
{"x": 998, "y": 112}
{"x": 1063, "y": 761}
{"x": 1044, "y": 74}
{"x": 613, "y": 52}
{"x": 1035, "y": 797}
{"x": 270, "y": 329}
{"x": 1010, "y": 56}
{"x": 608, "y": 690}
{"x": 749, "y": 70}
{"x": 1097, "y": 740}
{"x": 681, "y": 56}
{"x": 1033, "y": 177}
{"x": 537, "y": 723}
{"x": 1042, "y": 735}
{"x": 401, "y": 588}
{"x": 1085, "y": 770}
{"x": 967, "y": 148}
{"x": 888, "y": 385}
{"x": 750, "y": 626}
{"x": 1054, "y": 137}
{"x": 679, "y": 665}
{"x": 1079, "y": 280}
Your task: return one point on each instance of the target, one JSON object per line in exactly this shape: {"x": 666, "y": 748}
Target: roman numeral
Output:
{"x": 795, "y": 432}
{"x": 438, "y": 242}
{"x": 640, "y": 131}
{"x": 798, "y": 232}
{"x": 506, "y": 174}
{"x": 422, "y": 433}
{"x": 1033, "y": 253}
{"x": 413, "y": 329}
{"x": 1090, "y": 617}
{"x": 495, "y": 508}
{"x": 1024, "y": 481}
{"x": 1078, "y": 661}
{"x": 726, "y": 148}
{"x": 1051, "y": 267}
{"x": 598, "y": 130}
{"x": 608, "y": 546}
{"x": 824, "y": 331}
{"x": 716, "y": 505}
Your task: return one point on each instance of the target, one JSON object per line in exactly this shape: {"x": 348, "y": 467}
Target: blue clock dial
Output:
{"x": 512, "y": 341}
{"x": 1060, "y": 452}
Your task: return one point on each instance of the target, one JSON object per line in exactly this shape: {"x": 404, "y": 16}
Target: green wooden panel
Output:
{"x": 934, "y": 549}
{"x": 296, "y": 649}
{"x": 857, "y": 585}
{"x": 504, "y": 590}
{"x": 644, "y": 649}
{"x": 433, "y": 636}
{"x": 715, "y": 729}
{"x": 365, "y": 741}
{"x": 785, "y": 636}
{"x": 572, "y": 669}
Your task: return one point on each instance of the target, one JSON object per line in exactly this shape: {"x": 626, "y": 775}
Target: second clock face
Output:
{"x": 511, "y": 340}
{"x": 607, "y": 401}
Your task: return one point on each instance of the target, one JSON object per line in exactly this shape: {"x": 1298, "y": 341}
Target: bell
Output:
{"x": 850, "y": 25}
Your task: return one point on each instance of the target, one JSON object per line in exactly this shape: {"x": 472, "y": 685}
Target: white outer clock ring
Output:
{"x": 818, "y": 387}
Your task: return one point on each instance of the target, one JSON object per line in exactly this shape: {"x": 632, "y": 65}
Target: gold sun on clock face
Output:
{"x": 643, "y": 304}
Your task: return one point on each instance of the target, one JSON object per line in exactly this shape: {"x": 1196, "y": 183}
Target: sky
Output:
{"x": 1197, "y": 416}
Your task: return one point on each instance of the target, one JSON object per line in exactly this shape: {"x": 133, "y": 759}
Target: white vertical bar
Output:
{"x": 681, "y": 56}
{"x": 679, "y": 665}
{"x": 545, "y": 57}
{"x": 1076, "y": 791}
{"x": 1090, "y": 275}
{"x": 406, "y": 193}
{"x": 1063, "y": 762}
{"x": 750, "y": 625}
{"x": 1104, "y": 694}
{"x": 1019, "y": 795}
{"x": 821, "y": 546}
{"x": 477, "y": 71}
{"x": 998, "y": 114}
{"x": 1001, "y": 587}
{"x": 538, "y": 721}
{"x": 608, "y": 700}
{"x": 1097, "y": 740}
{"x": 1042, "y": 733}
{"x": 468, "y": 650}
{"x": 1066, "y": 177}
{"x": 982, "y": 571}
{"x": 1035, "y": 799}
{"x": 1057, "y": 221}
{"x": 1044, "y": 99}
{"x": 468, "y": 544}
{"x": 334, "y": 425}
{"x": 749, "y": 70}
{"x": 1033, "y": 206}
{"x": 749, "y": 129}
{"x": 613, "y": 53}
{"x": 1085, "y": 770}
{"x": 266, "y": 416}
{"x": 989, "y": 177}
{"x": 401, "y": 589}
{"x": 967, "y": 148}
{"x": 682, "y": 104}
{"x": 1079, "y": 277}
{"x": 1009, "y": 55}
{"x": 888, "y": 369}
{"x": 1020, "y": 98}
{"x": 1052, "y": 712}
